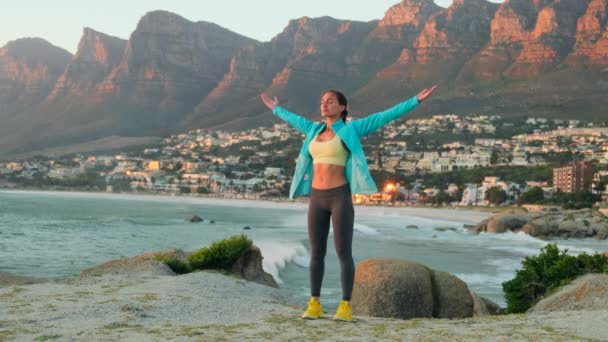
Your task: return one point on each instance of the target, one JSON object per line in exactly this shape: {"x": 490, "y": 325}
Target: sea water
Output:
{"x": 57, "y": 234}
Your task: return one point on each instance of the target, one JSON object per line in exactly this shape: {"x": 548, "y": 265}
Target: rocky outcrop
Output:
{"x": 448, "y": 39}
{"x": 309, "y": 53}
{"x": 551, "y": 39}
{"x": 452, "y": 298}
{"x": 169, "y": 64}
{"x": 403, "y": 289}
{"x": 583, "y": 223}
{"x": 485, "y": 307}
{"x": 29, "y": 68}
{"x": 97, "y": 55}
{"x": 248, "y": 266}
{"x": 194, "y": 218}
{"x": 510, "y": 30}
{"x": 585, "y": 293}
{"x": 591, "y": 45}
{"x": 143, "y": 263}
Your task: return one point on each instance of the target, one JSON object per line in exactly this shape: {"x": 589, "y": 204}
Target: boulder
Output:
{"x": 480, "y": 227}
{"x": 143, "y": 263}
{"x": 505, "y": 222}
{"x": 249, "y": 267}
{"x": 403, "y": 289}
{"x": 451, "y": 296}
{"x": 601, "y": 231}
{"x": 484, "y": 307}
{"x": 567, "y": 227}
{"x": 194, "y": 218}
{"x": 587, "y": 292}
{"x": 597, "y": 219}
{"x": 539, "y": 226}
{"x": 246, "y": 228}
{"x": 443, "y": 229}
{"x": 392, "y": 288}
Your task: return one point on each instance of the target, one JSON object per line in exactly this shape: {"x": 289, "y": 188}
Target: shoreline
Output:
{"x": 457, "y": 214}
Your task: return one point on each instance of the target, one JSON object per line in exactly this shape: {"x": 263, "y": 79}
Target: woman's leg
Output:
{"x": 343, "y": 220}
{"x": 318, "y": 230}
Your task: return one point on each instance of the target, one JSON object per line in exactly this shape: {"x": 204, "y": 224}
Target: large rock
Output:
{"x": 452, "y": 298}
{"x": 143, "y": 263}
{"x": 581, "y": 223}
{"x": 392, "y": 288}
{"x": 539, "y": 227}
{"x": 404, "y": 289}
{"x": 194, "y": 218}
{"x": 480, "y": 227}
{"x": 249, "y": 267}
{"x": 484, "y": 307}
{"x": 505, "y": 222}
{"x": 586, "y": 292}
{"x": 601, "y": 231}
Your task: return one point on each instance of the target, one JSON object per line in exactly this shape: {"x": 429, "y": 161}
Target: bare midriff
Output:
{"x": 327, "y": 176}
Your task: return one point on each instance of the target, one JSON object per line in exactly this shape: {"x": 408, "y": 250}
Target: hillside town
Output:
{"x": 259, "y": 163}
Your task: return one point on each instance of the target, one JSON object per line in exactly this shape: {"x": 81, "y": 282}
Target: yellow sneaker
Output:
{"x": 344, "y": 313}
{"x": 314, "y": 310}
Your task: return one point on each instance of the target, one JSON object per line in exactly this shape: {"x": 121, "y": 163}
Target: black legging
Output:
{"x": 335, "y": 203}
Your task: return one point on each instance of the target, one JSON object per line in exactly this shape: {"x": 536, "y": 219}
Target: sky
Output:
{"x": 61, "y": 21}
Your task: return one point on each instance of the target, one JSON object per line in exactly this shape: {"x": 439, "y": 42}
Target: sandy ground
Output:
{"x": 460, "y": 215}
{"x": 208, "y": 306}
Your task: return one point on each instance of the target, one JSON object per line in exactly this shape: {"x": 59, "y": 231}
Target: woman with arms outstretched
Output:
{"x": 331, "y": 166}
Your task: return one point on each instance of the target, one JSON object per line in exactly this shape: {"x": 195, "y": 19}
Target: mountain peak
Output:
{"x": 99, "y": 47}
{"x": 30, "y": 46}
{"x": 35, "y": 51}
{"x": 409, "y": 12}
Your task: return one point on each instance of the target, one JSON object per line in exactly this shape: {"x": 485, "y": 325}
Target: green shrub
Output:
{"x": 220, "y": 255}
{"x": 545, "y": 272}
{"x": 176, "y": 265}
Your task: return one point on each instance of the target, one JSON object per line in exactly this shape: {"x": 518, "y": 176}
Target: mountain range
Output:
{"x": 519, "y": 58}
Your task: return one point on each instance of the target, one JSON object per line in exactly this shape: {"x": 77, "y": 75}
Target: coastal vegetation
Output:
{"x": 541, "y": 275}
{"x": 221, "y": 255}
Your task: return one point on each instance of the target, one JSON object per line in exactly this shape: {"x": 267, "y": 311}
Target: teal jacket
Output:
{"x": 355, "y": 169}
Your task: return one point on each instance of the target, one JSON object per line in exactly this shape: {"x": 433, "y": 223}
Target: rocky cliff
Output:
{"x": 29, "y": 69}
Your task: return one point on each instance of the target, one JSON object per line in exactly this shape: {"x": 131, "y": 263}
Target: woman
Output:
{"x": 331, "y": 166}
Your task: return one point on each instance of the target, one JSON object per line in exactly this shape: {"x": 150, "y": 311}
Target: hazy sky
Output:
{"x": 61, "y": 21}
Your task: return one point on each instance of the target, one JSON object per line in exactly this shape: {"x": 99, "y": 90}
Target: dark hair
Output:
{"x": 341, "y": 100}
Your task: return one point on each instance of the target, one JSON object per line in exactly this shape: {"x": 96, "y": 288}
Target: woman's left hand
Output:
{"x": 425, "y": 93}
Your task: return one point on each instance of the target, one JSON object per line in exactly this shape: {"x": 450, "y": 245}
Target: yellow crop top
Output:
{"x": 328, "y": 152}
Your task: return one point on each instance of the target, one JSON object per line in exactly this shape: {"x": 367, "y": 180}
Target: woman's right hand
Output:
{"x": 270, "y": 103}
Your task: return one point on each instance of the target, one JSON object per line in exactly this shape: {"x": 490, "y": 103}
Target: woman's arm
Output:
{"x": 375, "y": 121}
{"x": 301, "y": 124}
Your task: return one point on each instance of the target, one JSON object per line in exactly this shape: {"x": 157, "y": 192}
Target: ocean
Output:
{"x": 57, "y": 234}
